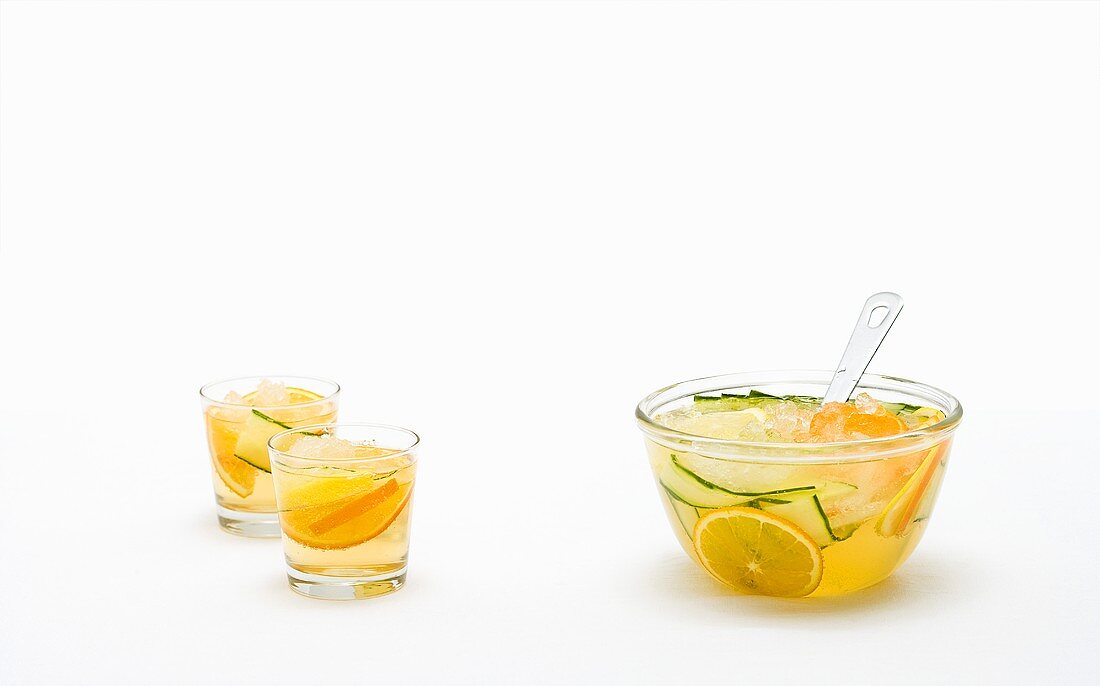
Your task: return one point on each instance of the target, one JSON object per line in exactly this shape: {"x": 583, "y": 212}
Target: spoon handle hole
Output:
{"x": 877, "y": 316}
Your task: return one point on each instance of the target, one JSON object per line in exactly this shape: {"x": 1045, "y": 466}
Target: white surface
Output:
{"x": 502, "y": 225}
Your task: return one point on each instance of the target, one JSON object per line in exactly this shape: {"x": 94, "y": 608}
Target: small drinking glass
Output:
{"x": 241, "y": 415}
{"x": 344, "y": 493}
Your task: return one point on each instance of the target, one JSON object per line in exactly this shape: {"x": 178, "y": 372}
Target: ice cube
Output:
{"x": 789, "y": 421}
{"x": 235, "y": 409}
{"x": 755, "y": 430}
{"x": 270, "y": 393}
{"x": 326, "y": 447}
{"x": 866, "y": 404}
{"x": 378, "y": 460}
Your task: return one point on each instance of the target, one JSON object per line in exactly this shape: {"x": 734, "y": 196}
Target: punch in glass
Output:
{"x": 344, "y": 494}
{"x": 240, "y": 416}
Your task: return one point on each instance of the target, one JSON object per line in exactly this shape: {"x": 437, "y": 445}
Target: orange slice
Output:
{"x": 755, "y": 552}
{"x": 237, "y": 474}
{"x": 899, "y": 513}
{"x": 841, "y": 421}
{"x": 332, "y": 513}
{"x": 301, "y": 395}
{"x": 877, "y": 425}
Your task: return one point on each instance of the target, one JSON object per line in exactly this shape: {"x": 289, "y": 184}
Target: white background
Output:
{"x": 502, "y": 225}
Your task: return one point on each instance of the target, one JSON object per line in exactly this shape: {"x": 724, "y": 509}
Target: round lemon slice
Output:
{"x": 755, "y": 552}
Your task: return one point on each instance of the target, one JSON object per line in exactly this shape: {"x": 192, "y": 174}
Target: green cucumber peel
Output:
{"x": 673, "y": 498}
{"x": 672, "y": 494}
{"x": 264, "y": 417}
{"x": 754, "y": 395}
{"x": 824, "y": 517}
{"x": 251, "y": 464}
{"x": 770, "y": 501}
{"x": 845, "y": 532}
{"x": 900, "y": 408}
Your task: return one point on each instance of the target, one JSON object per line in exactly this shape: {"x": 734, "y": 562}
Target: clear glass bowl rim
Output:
{"x": 797, "y": 452}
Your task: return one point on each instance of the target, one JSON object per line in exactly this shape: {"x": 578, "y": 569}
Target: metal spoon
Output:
{"x": 863, "y": 344}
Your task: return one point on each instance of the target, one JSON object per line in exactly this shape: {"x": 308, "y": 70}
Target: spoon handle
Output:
{"x": 863, "y": 344}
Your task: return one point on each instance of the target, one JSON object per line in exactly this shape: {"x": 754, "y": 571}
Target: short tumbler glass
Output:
{"x": 237, "y": 433}
{"x": 344, "y": 507}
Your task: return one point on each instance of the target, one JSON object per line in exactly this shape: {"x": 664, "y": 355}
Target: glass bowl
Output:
{"x": 798, "y": 519}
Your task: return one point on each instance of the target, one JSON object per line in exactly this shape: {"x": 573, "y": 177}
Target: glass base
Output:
{"x": 343, "y": 587}
{"x": 250, "y": 524}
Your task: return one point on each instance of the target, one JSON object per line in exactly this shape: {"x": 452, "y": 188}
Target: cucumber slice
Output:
{"x": 808, "y": 515}
{"x": 252, "y": 445}
{"x": 691, "y": 489}
{"x": 685, "y": 513}
{"x": 843, "y": 533}
{"x": 831, "y": 490}
{"x": 754, "y": 397}
{"x": 900, "y": 408}
{"x": 734, "y": 401}
{"x": 715, "y": 487}
{"x": 801, "y": 505}
{"x": 730, "y": 401}
{"x": 847, "y": 507}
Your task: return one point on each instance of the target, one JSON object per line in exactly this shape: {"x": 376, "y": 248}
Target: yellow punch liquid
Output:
{"x": 788, "y": 529}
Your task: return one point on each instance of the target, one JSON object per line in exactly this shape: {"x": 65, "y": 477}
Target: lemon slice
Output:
{"x": 724, "y": 425}
{"x": 755, "y": 552}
